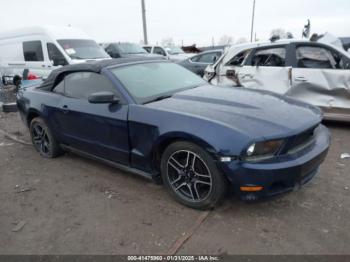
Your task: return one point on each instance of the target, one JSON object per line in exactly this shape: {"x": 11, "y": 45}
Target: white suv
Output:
{"x": 313, "y": 72}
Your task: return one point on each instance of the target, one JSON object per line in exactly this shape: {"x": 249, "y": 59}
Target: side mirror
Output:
{"x": 103, "y": 98}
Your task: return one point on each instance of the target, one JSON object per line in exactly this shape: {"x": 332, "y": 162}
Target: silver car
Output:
{"x": 313, "y": 72}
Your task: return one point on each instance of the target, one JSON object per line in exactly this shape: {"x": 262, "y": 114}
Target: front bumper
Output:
{"x": 286, "y": 173}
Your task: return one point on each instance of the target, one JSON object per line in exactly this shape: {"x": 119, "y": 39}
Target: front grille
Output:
{"x": 300, "y": 141}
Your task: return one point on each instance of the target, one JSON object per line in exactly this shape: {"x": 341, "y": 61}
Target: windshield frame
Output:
{"x": 152, "y": 98}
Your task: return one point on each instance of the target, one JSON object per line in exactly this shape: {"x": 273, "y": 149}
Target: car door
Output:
{"x": 97, "y": 129}
{"x": 197, "y": 64}
{"x": 321, "y": 76}
{"x": 226, "y": 72}
{"x": 267, "y": 69}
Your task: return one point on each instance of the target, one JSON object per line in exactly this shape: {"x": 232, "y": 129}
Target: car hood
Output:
{"x": 252, "y": 112}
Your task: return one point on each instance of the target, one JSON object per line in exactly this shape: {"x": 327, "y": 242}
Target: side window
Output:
{"x": 239, "y": 58}
{"x": 159, "y": 51}
{"x": 33, "y": 51}
{"x": 59, "y": 89}
{"x": 319, "y": 58}
{"x": 55, "y": 55}
{"x": 209, "y": 58}
{"x": 275, "y": 57}
{"x": 147, "y": 48}
{"x": 83, "y": 84}
{"x": 195, "y": 58}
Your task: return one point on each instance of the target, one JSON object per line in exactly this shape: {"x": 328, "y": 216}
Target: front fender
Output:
{"x": 150, "y": 128}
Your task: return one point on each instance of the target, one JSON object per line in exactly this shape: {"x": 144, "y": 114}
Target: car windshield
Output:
{"x": 82, "y": 49}
{"x": 131, "y": 48}
{"x": 152, "y": 81}
{"x": 174, "y": 50}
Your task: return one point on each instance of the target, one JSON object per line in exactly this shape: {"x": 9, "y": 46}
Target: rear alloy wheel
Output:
{"x": 191, "y": 176}
{"x": 43, "y": 140}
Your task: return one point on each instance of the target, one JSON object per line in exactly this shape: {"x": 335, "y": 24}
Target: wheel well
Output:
{"x": 31, "y": 116}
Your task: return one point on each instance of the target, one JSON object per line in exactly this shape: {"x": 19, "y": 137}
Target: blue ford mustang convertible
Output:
{"x": 159, "y": 120}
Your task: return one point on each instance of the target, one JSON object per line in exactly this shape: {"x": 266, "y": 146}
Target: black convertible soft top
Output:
{"x": 92, "y": 66}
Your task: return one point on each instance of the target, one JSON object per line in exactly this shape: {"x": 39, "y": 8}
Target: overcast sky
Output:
{"x": 190, "y": 21}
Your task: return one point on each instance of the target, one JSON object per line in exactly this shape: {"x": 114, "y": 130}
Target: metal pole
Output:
{"x": 253, "y": 16}
{"x": 145, "y": 39}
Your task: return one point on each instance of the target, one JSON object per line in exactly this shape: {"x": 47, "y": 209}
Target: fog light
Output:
{"x": 251, "y": 188}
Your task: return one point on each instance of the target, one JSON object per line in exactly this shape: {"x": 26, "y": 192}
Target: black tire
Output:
{"x": 191, "y": 188}
{"x": 43, "y": 140}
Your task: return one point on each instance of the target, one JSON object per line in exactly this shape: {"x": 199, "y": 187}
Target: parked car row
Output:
{"x": 312, "y": 72}
{"x": 43, "y": 49}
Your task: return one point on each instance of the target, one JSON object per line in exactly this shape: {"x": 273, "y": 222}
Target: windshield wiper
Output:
{"x": 158, "y": 98}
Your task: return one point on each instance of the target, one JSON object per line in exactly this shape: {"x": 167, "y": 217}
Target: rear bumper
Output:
{"x": 286, "y": 174}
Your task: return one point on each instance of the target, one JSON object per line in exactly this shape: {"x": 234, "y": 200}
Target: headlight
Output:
{"x": 265, "y": 149}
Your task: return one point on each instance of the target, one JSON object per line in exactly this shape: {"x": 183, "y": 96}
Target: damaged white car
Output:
{"x": 313, "y": 72}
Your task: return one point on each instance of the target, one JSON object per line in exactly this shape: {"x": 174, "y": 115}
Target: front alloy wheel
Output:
{"x": 191, "y": 176}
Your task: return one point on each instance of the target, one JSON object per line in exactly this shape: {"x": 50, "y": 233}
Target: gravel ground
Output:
{"x": 71, "y": 205}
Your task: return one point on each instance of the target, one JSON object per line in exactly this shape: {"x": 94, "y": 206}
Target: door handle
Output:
{"x": 65, "y": 109}
{"x": 300, "y": 79}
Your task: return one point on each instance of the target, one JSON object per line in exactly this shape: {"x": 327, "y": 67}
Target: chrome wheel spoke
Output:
{"x": 196, "y": 190}
{"x": 203, "y": 182}
{"x": 190, "y": 189}
{"x": 190, "y": 160}
{"x": 202, "y": 175}
{"x": 175, "y": 164}
{"x": 181, "y": 185}
{"x": 176, "y": 180}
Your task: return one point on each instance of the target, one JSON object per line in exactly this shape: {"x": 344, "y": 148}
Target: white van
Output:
{"x": 42, "y": 49}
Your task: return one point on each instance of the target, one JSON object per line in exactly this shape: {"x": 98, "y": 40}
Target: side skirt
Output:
{"x": 108, "y": 162}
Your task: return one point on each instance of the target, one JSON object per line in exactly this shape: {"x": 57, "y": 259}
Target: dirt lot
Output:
{"x": 71, "y": 205}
